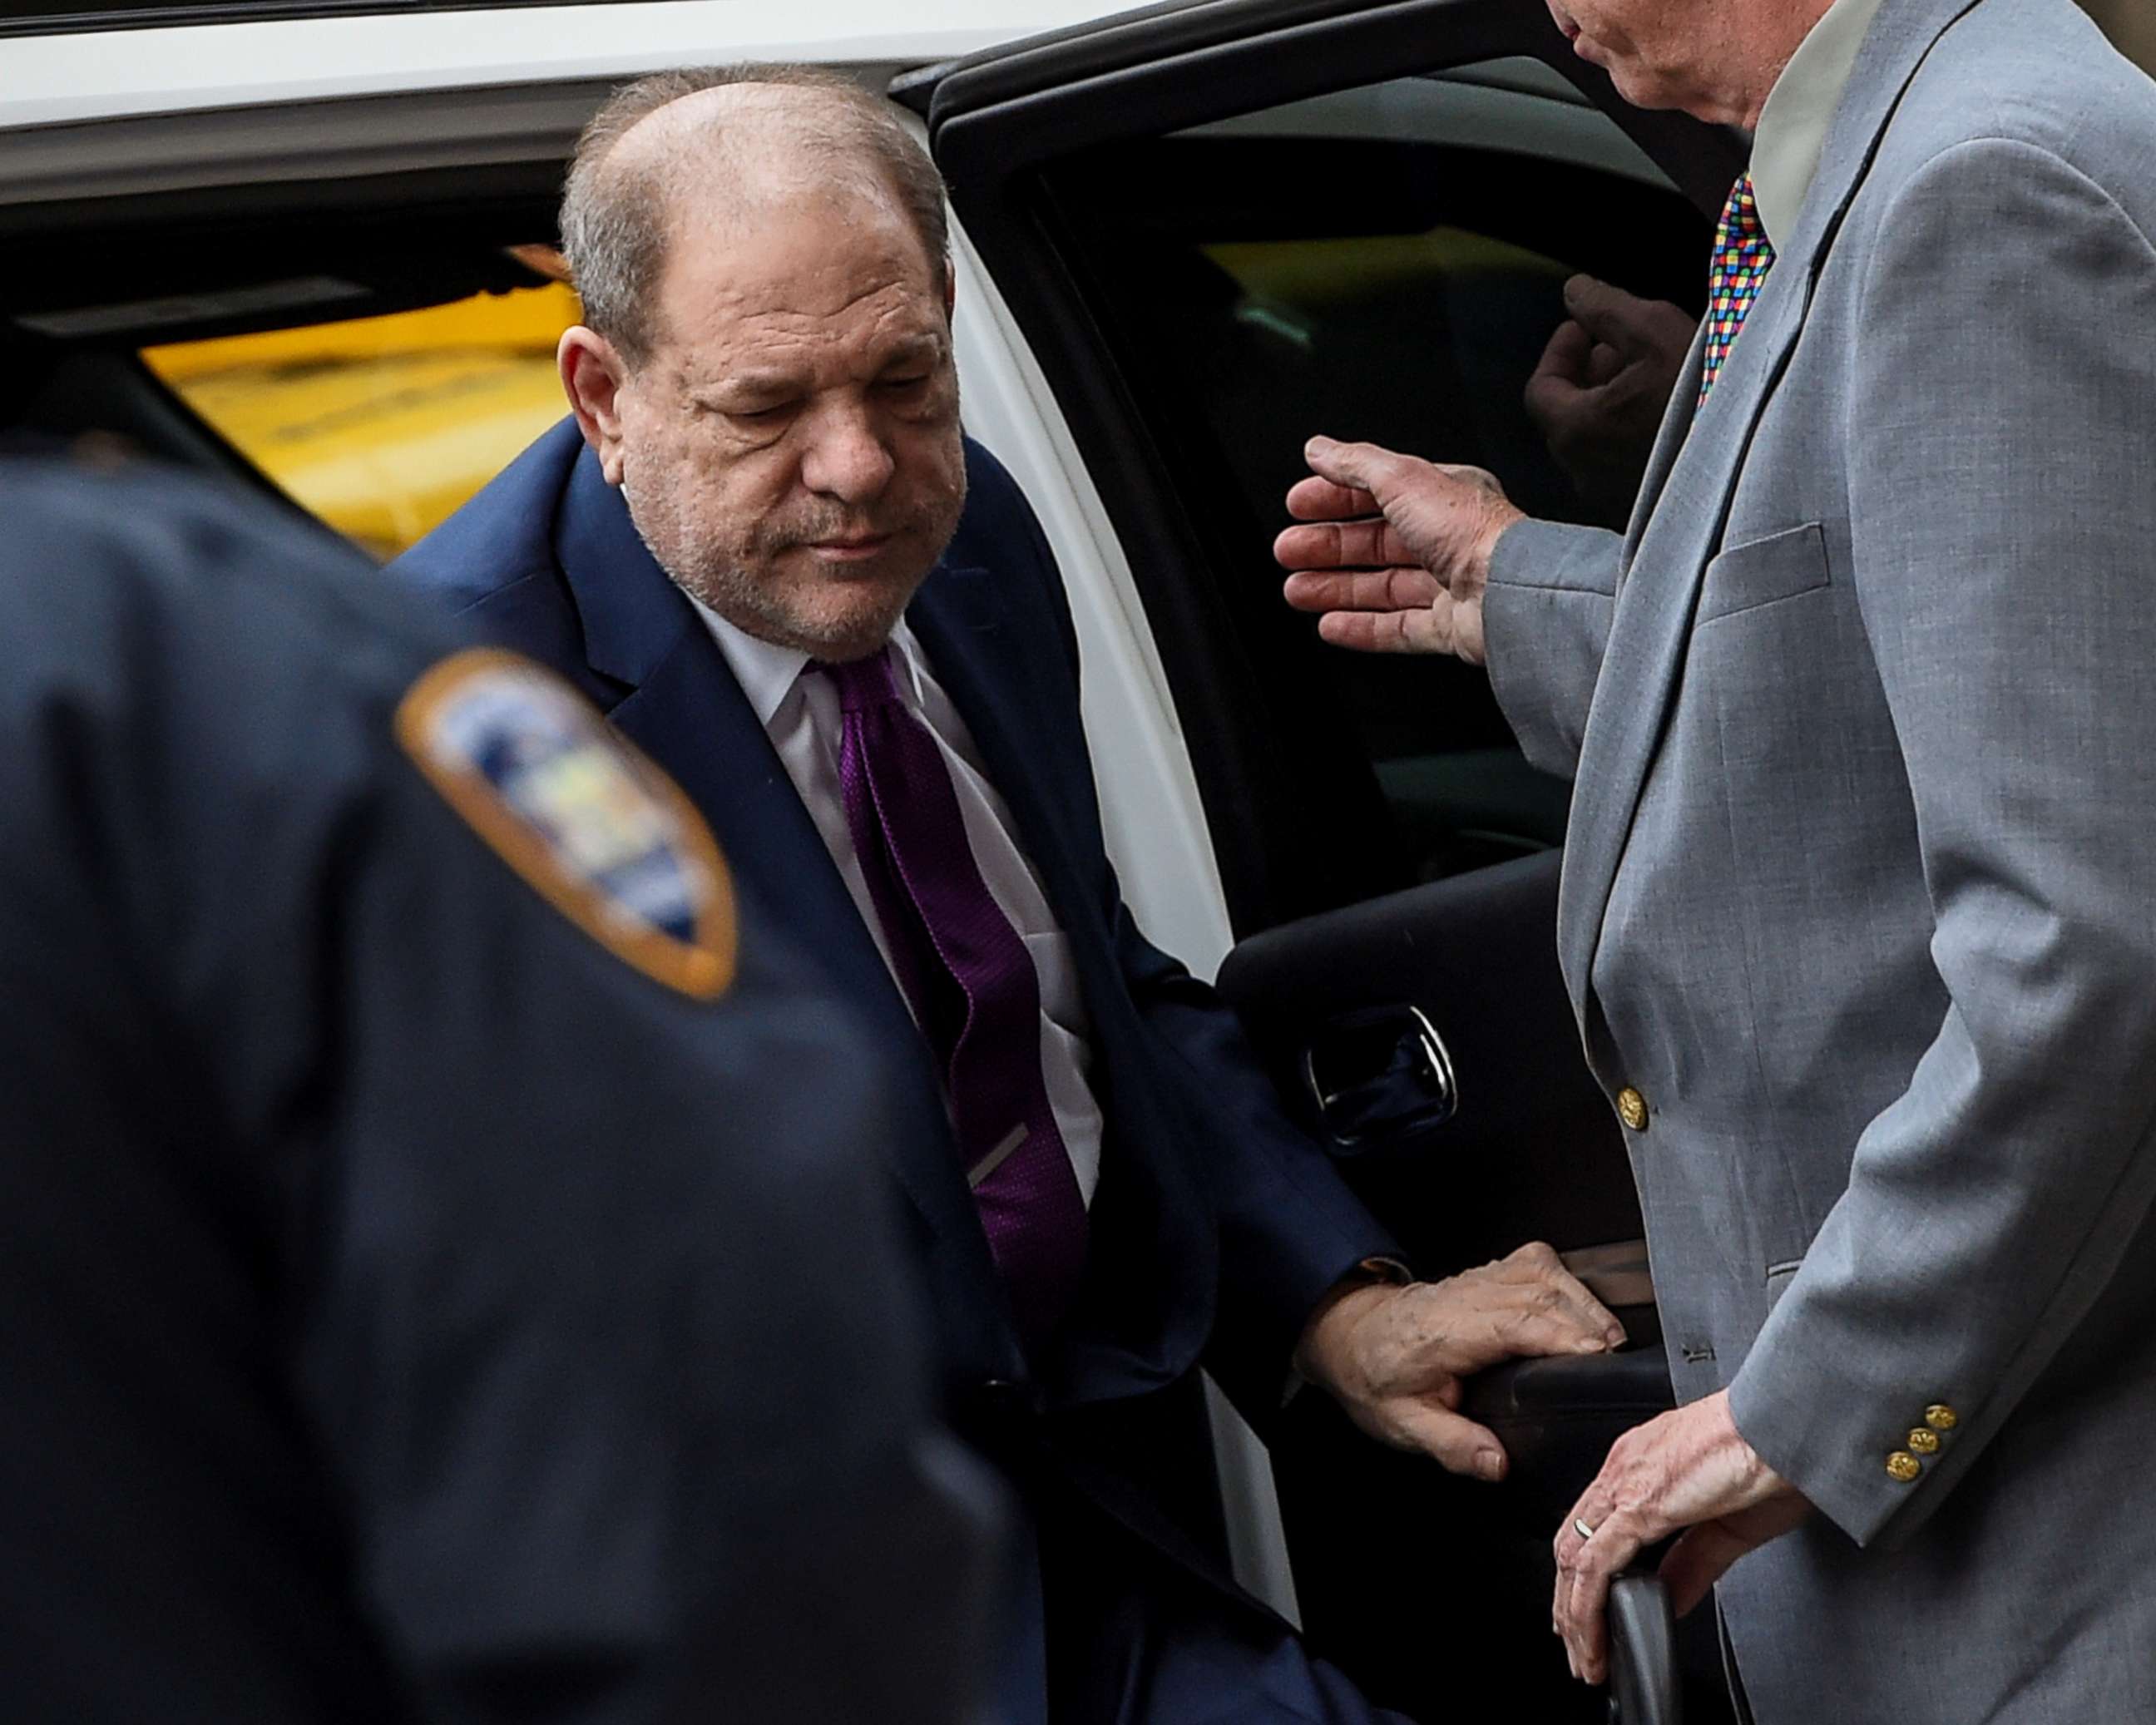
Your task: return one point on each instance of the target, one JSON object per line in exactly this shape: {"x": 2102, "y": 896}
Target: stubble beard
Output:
{"x": 723, "y": 578}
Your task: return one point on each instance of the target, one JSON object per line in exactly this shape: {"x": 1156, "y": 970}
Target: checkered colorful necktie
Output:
{"x": 1742, "y": 256}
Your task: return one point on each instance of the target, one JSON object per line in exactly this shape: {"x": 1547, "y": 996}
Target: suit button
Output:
{"x": 1902, "y": 1466}
{"x": 1632, "y": 1109}
{"x": 1941, "y": 1417}
{"x": 1924, "y": 1441}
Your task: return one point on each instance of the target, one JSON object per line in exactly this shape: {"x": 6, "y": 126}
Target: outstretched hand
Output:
{"x": 1395, "y": 551}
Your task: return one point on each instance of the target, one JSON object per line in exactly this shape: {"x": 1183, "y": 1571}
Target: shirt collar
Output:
{"x": 1800, "y": 113}
{"x": 767, "y": 672}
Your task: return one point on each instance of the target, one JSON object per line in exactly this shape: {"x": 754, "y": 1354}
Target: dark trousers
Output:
{"x": 1132, "y": 1638}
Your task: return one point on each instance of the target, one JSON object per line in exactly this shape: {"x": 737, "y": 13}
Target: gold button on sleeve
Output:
{"x": 1632, "y": 1109}
{"x": 1941, "y": 1417}
{"x": 1924, "y": 1441}
{"x": 1902, "y": 1466}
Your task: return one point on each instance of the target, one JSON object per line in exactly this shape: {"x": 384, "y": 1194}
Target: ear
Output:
{"x": 950, "y": 290}
{"x": 592, "y": 376}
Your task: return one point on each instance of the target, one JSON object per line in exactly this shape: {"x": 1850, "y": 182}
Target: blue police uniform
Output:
{"x": 441, "y": 1280}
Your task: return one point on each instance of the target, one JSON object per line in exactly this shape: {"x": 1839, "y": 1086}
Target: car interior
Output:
{"x": 1225, "y": 229}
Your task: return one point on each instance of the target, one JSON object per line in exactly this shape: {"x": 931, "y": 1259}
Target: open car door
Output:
{"x": 1224, "y": 227}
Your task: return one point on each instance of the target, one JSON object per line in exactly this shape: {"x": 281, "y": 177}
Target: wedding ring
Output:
{"x": 1582, "y": 1529}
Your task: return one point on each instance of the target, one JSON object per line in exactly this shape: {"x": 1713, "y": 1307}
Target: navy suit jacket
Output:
{"x": 1218, "y": 1225}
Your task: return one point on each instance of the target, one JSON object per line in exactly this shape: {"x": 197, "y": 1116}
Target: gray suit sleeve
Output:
{"x": 1546, "y": 618}
{"x": 2001, "y": 432}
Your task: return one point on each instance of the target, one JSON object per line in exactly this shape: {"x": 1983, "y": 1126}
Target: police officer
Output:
{"x": 422, "y": 1217}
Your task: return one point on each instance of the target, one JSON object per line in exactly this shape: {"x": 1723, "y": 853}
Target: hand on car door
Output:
{"x": 1691, "y": 1472}
{"x": 1395, "y": 1357}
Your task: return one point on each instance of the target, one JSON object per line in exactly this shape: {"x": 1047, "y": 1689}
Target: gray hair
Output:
{"x": 616, "y": 223}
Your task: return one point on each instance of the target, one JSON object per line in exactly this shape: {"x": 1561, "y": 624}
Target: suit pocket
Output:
{"x": 1780, "y": 567}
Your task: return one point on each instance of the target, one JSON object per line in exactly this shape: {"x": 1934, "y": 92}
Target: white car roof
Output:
{"x": 90, "y": 75}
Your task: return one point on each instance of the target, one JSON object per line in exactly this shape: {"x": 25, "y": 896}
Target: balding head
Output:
{"x": 702, "y": 149}
{"x": 766, "y": 368}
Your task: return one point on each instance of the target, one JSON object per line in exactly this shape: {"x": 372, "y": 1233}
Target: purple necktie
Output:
{"x": 972, "y": 988}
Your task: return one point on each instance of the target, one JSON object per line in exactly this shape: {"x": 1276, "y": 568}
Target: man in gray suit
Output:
{"x": 1859, "y": 911}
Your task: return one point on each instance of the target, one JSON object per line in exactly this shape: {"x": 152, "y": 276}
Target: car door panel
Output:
{"x": 1532, "y": 1150}
{"x": 1529, "y": 1150}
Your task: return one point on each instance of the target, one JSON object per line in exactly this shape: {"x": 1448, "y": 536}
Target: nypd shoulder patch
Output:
{"x": 596, "y": 828}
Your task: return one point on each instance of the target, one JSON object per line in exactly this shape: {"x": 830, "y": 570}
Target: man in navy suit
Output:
{"x": 764, "y": 548}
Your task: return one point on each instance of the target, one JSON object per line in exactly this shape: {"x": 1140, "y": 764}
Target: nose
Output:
{"x": 846, "y": 456}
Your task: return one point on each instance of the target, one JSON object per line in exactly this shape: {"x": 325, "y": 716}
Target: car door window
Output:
{"x": 381, "y": 427}
{"x": 1384, "y": 264}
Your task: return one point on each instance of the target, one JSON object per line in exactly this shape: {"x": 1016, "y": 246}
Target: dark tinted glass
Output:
{"x": 1385, "y": 264}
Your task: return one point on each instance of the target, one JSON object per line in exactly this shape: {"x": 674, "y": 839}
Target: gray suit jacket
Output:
{"x": 1861, "y": 890}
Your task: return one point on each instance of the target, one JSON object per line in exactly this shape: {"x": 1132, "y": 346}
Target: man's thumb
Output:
{"x": 1457, "y": 1442}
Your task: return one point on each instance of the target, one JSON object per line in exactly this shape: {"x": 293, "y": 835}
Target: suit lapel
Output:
{"x": 689, "y": 715}
{"x": 685, "y": 709}
{"x": 959, "y": 617}
{"x": 982, "y": 658}
{"x": 1653, "y": 621}
{"x": 1685, "y": 506}
{"x": 1669, "y": 444}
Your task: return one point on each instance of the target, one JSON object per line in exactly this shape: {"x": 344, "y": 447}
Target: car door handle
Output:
{"x": 1381, "y": 1078}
